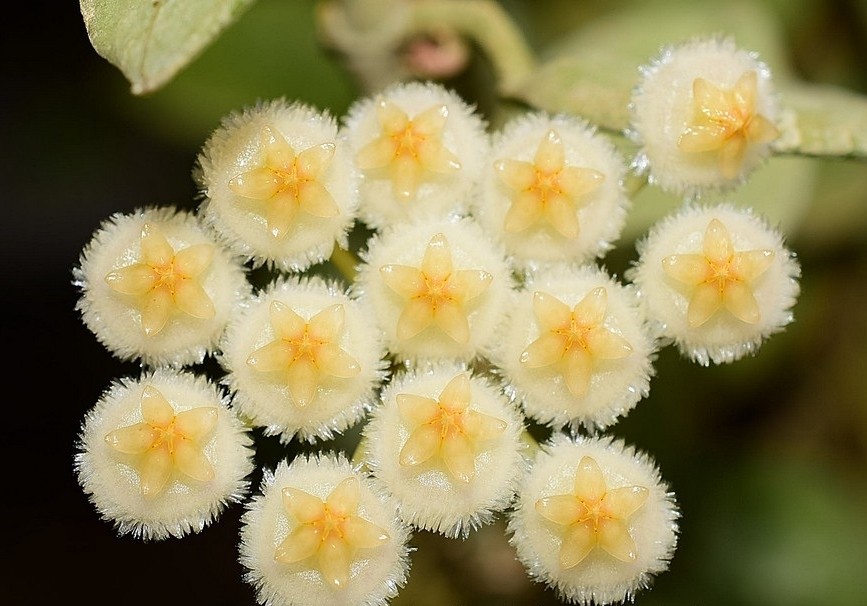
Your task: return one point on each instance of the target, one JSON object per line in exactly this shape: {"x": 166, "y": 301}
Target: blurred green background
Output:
{"x": 767, "y": 457}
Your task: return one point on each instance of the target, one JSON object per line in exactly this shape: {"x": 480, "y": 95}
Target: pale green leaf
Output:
{"x": 823, "y": 120}
{"x": 150, "y": 41}
{"x": 593, "y": 71}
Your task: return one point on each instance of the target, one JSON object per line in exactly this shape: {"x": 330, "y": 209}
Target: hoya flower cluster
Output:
{"x": 477, "y": 306}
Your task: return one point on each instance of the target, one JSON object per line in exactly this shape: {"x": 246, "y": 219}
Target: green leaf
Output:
{"x": 593, "y": 72}
{"x": 150, "y": 41}
{"x": 822, "y": 120}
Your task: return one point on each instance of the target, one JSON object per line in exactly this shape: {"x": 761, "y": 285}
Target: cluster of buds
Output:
{"x": 475, "y": 306}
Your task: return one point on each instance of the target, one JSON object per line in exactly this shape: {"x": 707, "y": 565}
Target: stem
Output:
{"x": 634, "y": 184}
{"x": 345, "y": 262}
{"x": 488, "y": 25}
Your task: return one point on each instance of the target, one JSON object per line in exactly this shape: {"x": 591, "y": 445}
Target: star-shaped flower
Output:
{"x": 166, "y": 441}
{"x": 446, "y": 428}
{"x": 306, "y": 351}
{"x": 410, "y": 150}
{"x": 594, "y": 515}
{"x": 726, "y": 121}
{"x": 719, "y": 277}
{"x": 574, "y": 338}
{"x": 547, "y": 189}
{"x": 435, "y": 292}
{"x": 330, "y": 532}
{"x": 287, "y": 182}
{"x": 165, "y": 281}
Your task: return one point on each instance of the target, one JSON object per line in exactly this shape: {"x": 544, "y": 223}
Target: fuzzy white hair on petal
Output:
{"x": 266, "y": 398}
{"x": 113, "y": 479}
{"x": 616, "y": 383}
{"x": 375, "y": 574}
{"x": 306, "y": 206}
{"x": 429, "y": 494}
{"x": 723, "y": 337}
{"x": 116, "y": 318}
{"x": 598, "y": 578}
{"x": 456, "y": 141}
{"x": 589, "y": 176}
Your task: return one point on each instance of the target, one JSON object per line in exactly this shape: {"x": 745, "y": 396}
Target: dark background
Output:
{"x": 767, "y": 457}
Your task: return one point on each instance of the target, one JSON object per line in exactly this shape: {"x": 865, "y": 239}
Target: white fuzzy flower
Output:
{"x": 438, "y": 287}
{"x": 154, "y": 285}
{"x": 447, "y": 444}
{"x": 163, "y": 455}
{"x": 553, "y": 190}
{"x": 322, "y": 533}
{"x": 303, "y": 359}
{"x": 280, "y": 184}
{"x": 716, "y": 280}
{"x": 576, "y": 349}
{"x": 421, "y": 149}
{"x": 593, "y": 520}
{"x": 704, "y": 115}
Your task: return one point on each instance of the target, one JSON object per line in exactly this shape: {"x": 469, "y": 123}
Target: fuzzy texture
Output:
{"x": 429, "y": 497}
{"x": 464, "y": 136}
{"x": 376, "y": 574}
{"x": 601, "y": 212}
{"x": 470, "y": 249}
{"x": 110, "y": 478}
{"x": 661, "y": 108}
{"x": 116, "y": 319}
{"x": 723, "y": 338}
{"x": 616, "y": 385}
{"x": 237, "y": 147}
{"x": 599, "y": 579}
{"x": 264, "y": 397}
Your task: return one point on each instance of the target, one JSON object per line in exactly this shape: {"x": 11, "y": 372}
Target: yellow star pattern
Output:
{"x": 166, "y": 441}
{"x": 436, "y": 293}
{"x": 446, "y": 428}
{"x": 306, "y": 351}
{"x": 594, "y": 515}
{"x": 328, "y": 532}
{"x": 287, "y": 182}
{"x": 409, "y": 149}
{"x": 165, "y": 282}
{"x": 573, "y": 338}
{"x": 547, "y": 189}
{"x": 719, "y": 277}
{"x": 726, "y": 121}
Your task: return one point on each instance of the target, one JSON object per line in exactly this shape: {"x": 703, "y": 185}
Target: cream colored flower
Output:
{"x": 552, "y": 190}
{"x": 704, "y": 114}
{"x": 716, "y": 280}
{"x": 322, "y": 532}
{"x": 447, "y": 444}
{"x": 421, "y": 149}
{"x": 280, "y": 186}
{"x": 156, "y": 286}
{"x": 439, "y": 288}
{"x": 303, "y": 359}
{"x": 576, "y": 350}
{"x": 163, "y": 455}
{"x": 593, "y": 520}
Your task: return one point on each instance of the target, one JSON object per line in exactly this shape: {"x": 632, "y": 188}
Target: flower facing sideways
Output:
{"x": 703, "y": 114}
